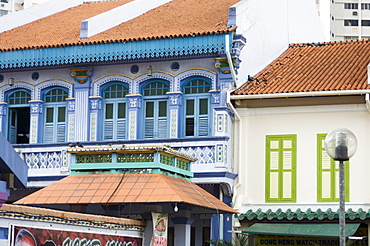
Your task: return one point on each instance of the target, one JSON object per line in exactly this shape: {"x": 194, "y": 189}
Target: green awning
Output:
{"x": 301, "y": 229}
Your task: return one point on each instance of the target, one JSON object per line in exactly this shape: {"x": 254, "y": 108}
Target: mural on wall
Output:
{"x": 31, "y": 236}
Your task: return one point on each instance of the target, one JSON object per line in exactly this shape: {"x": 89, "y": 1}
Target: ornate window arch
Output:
{"x": 105, "y": 81}
{"x": 55, "y": 114}
{"x": 18, "y": 115}
{"x": 115, "y": 110}
{"x": 196, "y": 106}
{"x": 155, "y": 108}
{"x": 45, "y": 86}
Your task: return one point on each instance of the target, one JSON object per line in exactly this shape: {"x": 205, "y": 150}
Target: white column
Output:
{"x": 182, "y": 233}
{"x": 81, "y": 110}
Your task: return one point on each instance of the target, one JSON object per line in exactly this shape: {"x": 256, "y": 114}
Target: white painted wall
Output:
{"x": 270, "y": 26}
{"x": 306, "y": 122}
{"x": 22, "y": 17}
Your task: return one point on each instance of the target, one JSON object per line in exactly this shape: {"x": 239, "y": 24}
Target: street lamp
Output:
{"x": 341, "y": 144}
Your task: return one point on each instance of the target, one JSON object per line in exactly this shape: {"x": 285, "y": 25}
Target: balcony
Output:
{"x": 48, "y": 163}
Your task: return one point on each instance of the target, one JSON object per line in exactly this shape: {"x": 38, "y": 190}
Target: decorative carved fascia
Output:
{"x": 36, "y": 106}
{"x": 95, "y": 103}
{"x": 3, "y": 107}
{"x": 71, "y": 104}
{"x": 175, "y": 98}
{"x": 215, "y": 96}
{"x": 134, "y": 100}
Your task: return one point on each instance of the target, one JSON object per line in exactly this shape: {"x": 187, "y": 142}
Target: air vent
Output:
{"x": 354, "y": 13}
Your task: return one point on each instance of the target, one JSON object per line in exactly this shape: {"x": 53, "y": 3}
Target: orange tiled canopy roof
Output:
{"x": 329, "y": 66}
{"x": 178, "y": 18}
{"x": 125, "y": 188}
{"x": 9, "y": 210}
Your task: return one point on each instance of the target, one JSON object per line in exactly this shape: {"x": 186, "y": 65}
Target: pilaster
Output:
{"x": 134, "y": 115}
{"x": 3, "y": 109}
{"x": 71, "y": 119}
{"x": 95, "y": 108}
{"x": 174, "y": 99}
{"x": 182, "y": 231}
{"x": 82, "y": 77}
{"x": 36, "y": 121}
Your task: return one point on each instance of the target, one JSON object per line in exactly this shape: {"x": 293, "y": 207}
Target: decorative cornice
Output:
{"x": 309, "y": 214}
{"x": 114, "y": 52}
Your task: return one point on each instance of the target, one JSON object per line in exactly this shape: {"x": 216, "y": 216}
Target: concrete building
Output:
{"x": 287, "y": 185}
{"x": 344, "y": 20}
{"x": 124, "y": 74}
{"x": 11, "y": 6}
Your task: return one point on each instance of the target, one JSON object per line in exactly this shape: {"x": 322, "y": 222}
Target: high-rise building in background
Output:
{"x": 10, "y": 6}
{"x": 345, "y": 19}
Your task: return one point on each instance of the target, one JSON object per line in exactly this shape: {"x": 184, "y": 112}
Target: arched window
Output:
{"x": 115, "y": 106}
{"x": 19, "y": 116}
{"x": 155, "y": 109}
{"x": 196, "y": 107}
{"x": 55, "y": 115}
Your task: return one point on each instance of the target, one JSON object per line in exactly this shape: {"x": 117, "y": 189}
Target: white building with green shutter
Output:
{"x": 286, "y": 181}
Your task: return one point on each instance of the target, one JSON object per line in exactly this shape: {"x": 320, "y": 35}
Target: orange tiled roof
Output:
{"x": 125, "y": 188}
{"x": 178, "y": 18}
{"x": 26, "y": 212}
{"x": 329, "y": 66}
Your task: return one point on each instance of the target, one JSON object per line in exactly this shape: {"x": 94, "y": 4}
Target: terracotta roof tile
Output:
{"x": 34, "y": 212}
{"x": 314, "y": 67}
{"x": 175, "y": 19}
{"x": 133, "y": 188}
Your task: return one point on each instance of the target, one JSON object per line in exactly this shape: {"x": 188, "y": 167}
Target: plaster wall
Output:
{"x": 306, "y": 123}
{"x": 36, "y": 12}
{"x": 63, "y": 74}
{"x": 270, "y": 26}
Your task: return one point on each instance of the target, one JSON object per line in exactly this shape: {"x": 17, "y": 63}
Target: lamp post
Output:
{"x": 341, "y": 144}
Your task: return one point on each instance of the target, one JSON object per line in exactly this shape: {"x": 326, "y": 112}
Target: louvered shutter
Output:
{"x": 121, "y": 129}
{"x": 61, "y": 132}
{"x": 162, "y": 128}
{"x": 48, "y": 135}
{"x": 203, "y": 126}
{"x": 108, "y": 130}
{"x": 149, "y": 128}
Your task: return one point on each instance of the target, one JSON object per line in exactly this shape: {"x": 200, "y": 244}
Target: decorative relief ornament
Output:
{"x": 222, "y": 65}
{"x": 81, "y": 75}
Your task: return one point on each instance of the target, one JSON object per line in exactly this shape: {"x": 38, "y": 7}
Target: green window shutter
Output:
{"x": 281, "y": 168}
{"x": 155, "y": 119}
{"x": 328, "y": 175}
{"x": 115, "y": 110}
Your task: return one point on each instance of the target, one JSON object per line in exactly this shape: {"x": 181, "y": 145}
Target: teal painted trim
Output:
{"x": 299, "y": 214}
{"x": 156, "y": 48}
{"x": 136, "y": 165}
{"x": 175, "y": 175}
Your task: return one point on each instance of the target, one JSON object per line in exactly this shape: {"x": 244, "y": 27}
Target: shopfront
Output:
{"x": 298, "y": 234}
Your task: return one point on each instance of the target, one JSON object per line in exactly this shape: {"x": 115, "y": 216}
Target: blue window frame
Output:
{"x": 55, "y": 115}
{"x": 197, "y": 107}
{"x": 18, "y": 116}
{"x": 115, "y": 111}
{"x": 155, "y": 109}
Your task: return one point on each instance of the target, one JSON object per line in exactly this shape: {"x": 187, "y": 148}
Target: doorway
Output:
{"x": 19, "y": 125}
